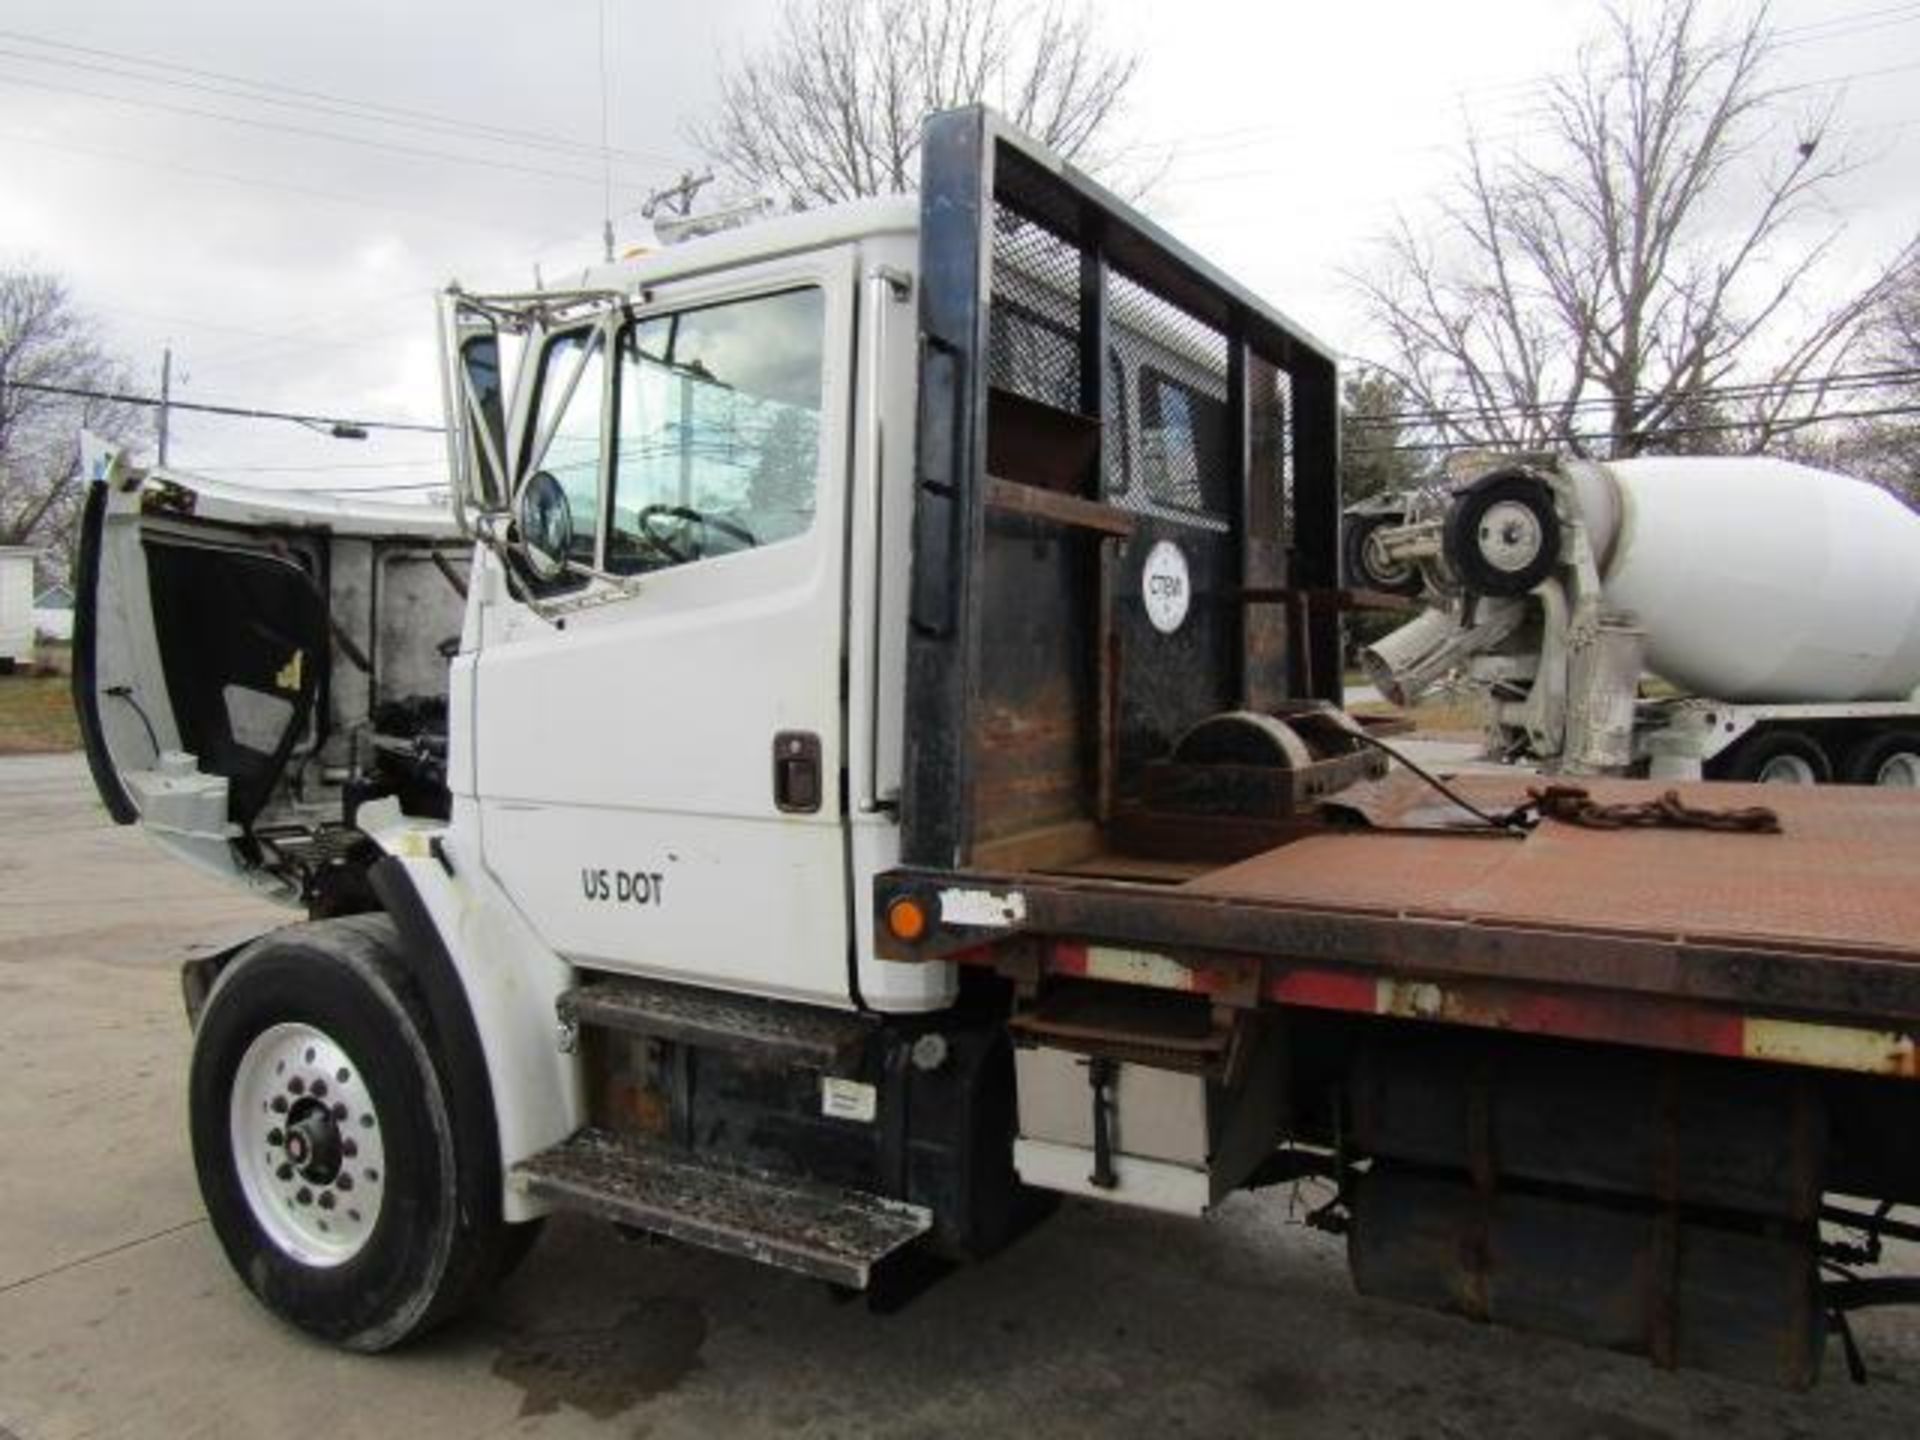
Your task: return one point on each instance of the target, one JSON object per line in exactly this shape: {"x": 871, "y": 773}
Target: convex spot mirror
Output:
{"x": 546, "y": 526}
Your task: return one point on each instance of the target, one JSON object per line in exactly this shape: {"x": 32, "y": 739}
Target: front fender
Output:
{"x": 489, "y": 985}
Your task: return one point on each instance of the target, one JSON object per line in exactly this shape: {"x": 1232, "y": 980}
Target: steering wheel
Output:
{"x": 678, "y": 547}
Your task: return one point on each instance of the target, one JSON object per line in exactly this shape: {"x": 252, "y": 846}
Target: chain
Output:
{"x": 1574, "y": 806}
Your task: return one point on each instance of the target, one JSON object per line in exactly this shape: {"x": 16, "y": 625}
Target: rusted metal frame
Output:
{"x": 970, "y": 163}
{"x": 1300, "y": 655}
{"x": 1240, "y": 460}
{"x": 1095, "y": 341}
{"x": 958, "y": 154}
{"x": 1070, "y": 510}
{"x": 1778, "y": 977}
{"x": 1315, "y": 548}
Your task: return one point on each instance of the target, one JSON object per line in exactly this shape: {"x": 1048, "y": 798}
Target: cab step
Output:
{"x": 808, "y": 1035}
{"x": 818, "y": 1230}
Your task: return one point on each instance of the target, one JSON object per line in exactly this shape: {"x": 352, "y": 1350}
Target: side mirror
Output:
{"x": 546, "y": 526}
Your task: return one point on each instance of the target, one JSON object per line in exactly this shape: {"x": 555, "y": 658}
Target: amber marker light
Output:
{"x": 907, "y": 919}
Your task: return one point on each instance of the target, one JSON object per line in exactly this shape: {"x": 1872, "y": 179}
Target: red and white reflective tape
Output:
{"x": 1614, "y": 1018}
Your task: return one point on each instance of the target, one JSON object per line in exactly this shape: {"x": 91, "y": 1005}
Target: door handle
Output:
{"x": 796, "y": 772}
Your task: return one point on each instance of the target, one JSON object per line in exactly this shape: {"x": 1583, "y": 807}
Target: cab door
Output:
{"x": 658, "y": 732}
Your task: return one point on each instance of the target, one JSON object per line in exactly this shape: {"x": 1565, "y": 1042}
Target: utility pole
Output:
{"x": 679, "y": 196}
{"x": 166, "y": 394}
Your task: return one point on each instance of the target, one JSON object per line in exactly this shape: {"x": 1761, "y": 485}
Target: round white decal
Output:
{"x": 1165, "y": 587}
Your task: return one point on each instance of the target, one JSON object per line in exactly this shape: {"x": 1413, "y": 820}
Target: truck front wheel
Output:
{"x": 322, "y": 1135}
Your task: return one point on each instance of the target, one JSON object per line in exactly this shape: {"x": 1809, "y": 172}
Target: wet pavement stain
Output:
{"x": 646, "y": 1352}
{"x": 1280, "y": 1388}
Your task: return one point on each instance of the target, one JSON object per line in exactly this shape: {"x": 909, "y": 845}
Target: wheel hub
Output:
{"x": 1510, "y": 536}
{"x": 313, "y": 1143}
{"x": 307, "y": 1144}
{"x": 1383, "y": 570}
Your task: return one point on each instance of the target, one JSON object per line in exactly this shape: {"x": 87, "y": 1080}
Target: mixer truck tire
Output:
{"x": 1503, "y": 535}
{"x": 1892, "y": 760}
{"x": 1777, "y": 757}
{"x": 1366, "y": 568}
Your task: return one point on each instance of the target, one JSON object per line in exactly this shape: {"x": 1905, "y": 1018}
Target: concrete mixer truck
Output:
{"x": 1778, "y": 604}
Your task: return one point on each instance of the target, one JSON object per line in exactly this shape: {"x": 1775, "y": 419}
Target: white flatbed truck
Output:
{"x": 863, "y": 755}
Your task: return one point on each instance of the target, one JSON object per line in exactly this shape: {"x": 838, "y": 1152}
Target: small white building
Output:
{"x": 16, "y": 606}
{"x": 53, "y": 613}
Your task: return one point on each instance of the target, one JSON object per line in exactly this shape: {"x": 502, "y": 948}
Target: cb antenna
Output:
{"x": 606, "y": 145}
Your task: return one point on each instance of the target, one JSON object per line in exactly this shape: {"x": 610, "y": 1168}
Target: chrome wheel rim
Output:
{"x": 1788, "y": 770}
{"x": 1901, "y": 770}
{"x": 307, "y": 1145}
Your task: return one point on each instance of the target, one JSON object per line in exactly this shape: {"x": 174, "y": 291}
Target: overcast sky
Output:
{"x": 277, "y": 191}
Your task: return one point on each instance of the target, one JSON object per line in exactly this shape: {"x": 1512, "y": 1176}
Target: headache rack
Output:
{"x": 1093, "y": 395}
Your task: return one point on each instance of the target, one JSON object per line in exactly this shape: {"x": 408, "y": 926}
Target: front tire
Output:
{"x": 324, "y": 1137}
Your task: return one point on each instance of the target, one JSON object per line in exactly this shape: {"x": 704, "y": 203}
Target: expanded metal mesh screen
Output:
{"x": 1033, "y": 345}
{"x": 1172, "y": 376}
{"x": 1166, "y": 424}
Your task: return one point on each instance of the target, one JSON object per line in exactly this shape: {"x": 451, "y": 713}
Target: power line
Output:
{"x": 1845, "y": 382}
{"x": 317, "y": 101}
{"x": 1662, "y": 432}
{"x": 1223, "y": 141}
{"x": 337, "y": 137}
{"x": 239, "y": 412}
{"x": 250, "y": 182}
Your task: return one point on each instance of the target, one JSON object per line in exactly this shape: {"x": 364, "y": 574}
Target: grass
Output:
{"x": 36, "y": 715}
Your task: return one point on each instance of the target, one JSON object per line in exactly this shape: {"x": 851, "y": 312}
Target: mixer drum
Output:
{"x": 1762, "y": 580}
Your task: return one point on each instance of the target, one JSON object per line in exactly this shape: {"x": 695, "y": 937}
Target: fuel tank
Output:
{"x": 1759, "y": 579}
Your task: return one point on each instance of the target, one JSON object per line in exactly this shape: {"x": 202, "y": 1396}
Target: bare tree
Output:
{"x": 45, "y": 341}
{"x": 1882, "y": 441}
{"x": 1638, "y": 280}
{"x": 830, "y": 108}
{"x": 1376, "y": 455}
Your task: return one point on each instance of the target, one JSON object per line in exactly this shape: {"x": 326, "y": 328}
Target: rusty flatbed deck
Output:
{"x": 1843, "y": 874}
{"x": 1820, "y": 922}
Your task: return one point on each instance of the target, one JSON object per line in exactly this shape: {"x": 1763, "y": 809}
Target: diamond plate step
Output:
{"x": 769, "y": 1029}
{"x": 818, "y": 1230}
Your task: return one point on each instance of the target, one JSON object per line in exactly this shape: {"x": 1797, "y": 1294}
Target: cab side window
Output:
{"x": 717, "y": 446}
{"x": 1183, "y": 432}
{"x": 567, "y": 432}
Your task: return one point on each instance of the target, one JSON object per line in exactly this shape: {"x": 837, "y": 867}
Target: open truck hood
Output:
{"x": 250, "y": 664}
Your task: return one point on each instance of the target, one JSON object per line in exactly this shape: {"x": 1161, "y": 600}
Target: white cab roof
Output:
{"x": 761, "y": 240}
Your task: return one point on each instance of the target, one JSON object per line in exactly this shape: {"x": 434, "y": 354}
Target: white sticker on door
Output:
{"x": 1165, "y": 588}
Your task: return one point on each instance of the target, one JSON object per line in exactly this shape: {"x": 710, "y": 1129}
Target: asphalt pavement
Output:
{"x": 119, "y": 1316}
